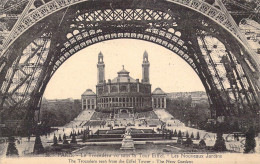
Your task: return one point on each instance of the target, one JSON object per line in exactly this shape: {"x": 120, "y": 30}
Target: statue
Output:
{"x": 127, "y": 142}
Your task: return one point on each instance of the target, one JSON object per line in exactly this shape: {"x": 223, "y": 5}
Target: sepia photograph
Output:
{"x": 130, "y": 81}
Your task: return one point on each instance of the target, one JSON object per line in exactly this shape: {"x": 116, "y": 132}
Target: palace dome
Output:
{"x": 89, "y": 92}
{"x": 158, "y": 91}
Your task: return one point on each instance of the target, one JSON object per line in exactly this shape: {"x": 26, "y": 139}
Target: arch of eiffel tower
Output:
{"x": 219, "y": 39}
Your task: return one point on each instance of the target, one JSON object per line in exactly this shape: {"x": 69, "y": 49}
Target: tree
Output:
{"x": 170, "y": 134}
{"x": 202, "y": 143}
{"x": 192, "y": 136}
{"x": 11, "y": 149}
{"x": 78, "y": 133}
{"x": 71, "y": 134}
{"x": 84, "y": 138}
{"x": 60, "y": 138}
{"x": 179, "y": 140}
{"x": 250, "y": 141}
{"x": 55, "y": 141}
{"x": 175, "y": 133}
{"x": 65, "y": 141}
{"x": 188, "y": 141}
{"x": 38, "y": 148}
{"x": 198, "y": 136}
{"x": 187, "y": 135}
{"x": 179, "y": 134}
{"x": 73, "y": 140}
{"x": 220, "y": 143}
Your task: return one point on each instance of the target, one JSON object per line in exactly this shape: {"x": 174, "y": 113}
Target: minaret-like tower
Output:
{"x": 100, "y": 69}
{"x": 145, "y": 65}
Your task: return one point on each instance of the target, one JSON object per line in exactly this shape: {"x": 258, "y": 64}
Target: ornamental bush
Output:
{"x": 60, "y": 138}
{"x": 38, "y": 148}
{"x": 250, "y": 141}
{"x": 188, "y": 142}
{"x": 198, "y": 136}
{"x": 73, "y": 140}
{"x": 179, "y": 134}
{"x": 202, "y": 143}
{"x": 175, "y": 133}
{"x": 192, "y": 136}
{"x": 11, "y": 149}
{"x": 187, "y": 135}
{"x": 220, "y": 143}
{"x": 55, "y": 141}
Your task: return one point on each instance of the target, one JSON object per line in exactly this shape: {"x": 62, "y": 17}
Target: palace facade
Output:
{"x": 123, "y": 93}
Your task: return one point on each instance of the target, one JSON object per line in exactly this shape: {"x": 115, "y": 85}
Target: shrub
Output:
{"x": 250, "y": 141}
{"x": 55, "y": 141}
{"x": 220, "y": 143}
{"x": 65, "y": 141}
{"x": 38, "y": 148}
{"x": 202, "y": 143}
{"x": 73, "y": 140}
{"x": 170, "y": 134}
{"x": 179, "y": 141}
{"x": 192, "y": 136}
{"x": 179, "y": 134}
{"x": 188, "y": 142}
{"x": 84, "y": 138}
{"x": 60, "y": 138}
{"x": 198, "y": 136}
{"x": 187, "y": 135}
{"x": 175, "y": 133}
{"x": 11, "y": 149}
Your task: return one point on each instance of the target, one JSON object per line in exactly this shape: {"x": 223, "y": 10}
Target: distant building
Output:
{"x": 159, "y": 99}
{"x": 123, "y": 93}
{"x": 196, "y": 97}
{"x": 88, "y": 100}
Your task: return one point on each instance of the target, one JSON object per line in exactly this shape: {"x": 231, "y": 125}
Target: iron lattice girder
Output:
{"x": 157, "y": 28}
{"x": 55, "y": 5}
{"x": 22, "y": 76}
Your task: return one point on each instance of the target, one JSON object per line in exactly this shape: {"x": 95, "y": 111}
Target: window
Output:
{"x": 123, "y": 88}
{"x": 100, "y": 90}
{"x": 162, "y": 103}
{"x": 133, "y": 88}
{"x": 114, "y": 89}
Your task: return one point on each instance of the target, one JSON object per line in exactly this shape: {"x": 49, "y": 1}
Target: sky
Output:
{"x": 167, "y": 70}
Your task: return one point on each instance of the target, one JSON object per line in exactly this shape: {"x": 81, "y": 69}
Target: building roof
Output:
{"x": 88, "y": 92}
{"x": 123, "y": 72}
{"x": 123, "y": 76}
{"x": 158, "y": 91}
{"x": 123, "y": 79}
